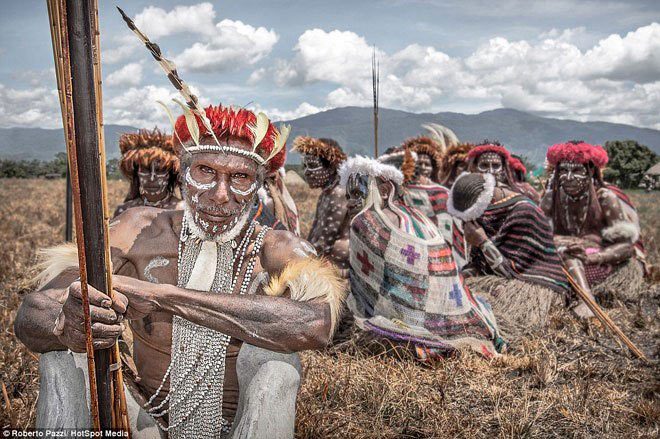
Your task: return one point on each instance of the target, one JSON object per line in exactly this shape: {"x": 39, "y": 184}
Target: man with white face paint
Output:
{"x": 329, "y": 232}
{"x": 596, "y": 226}
{"x": 227, "y": 301}
{"x": 149, "y": 163}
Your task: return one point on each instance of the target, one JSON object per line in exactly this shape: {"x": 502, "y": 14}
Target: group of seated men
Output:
{"x": 442, "y": 245}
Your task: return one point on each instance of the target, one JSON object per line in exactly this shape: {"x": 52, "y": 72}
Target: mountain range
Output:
{"x": 523, "y": 133}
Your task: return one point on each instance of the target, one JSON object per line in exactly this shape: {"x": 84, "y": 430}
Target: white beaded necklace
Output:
{"x": 197, "y": 366}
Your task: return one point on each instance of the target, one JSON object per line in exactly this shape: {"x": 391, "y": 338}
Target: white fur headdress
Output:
{"x": 368, "y": 166}
{"x": 475, "y": 197}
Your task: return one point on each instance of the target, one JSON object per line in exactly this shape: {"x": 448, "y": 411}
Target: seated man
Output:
{"x": 150, "y": 165}
{"x": 519, "y": 172}
{"x": 329, "y": 232}
{"x": 198, "y": 287}
{"x": 513, "y": 258}
{"x": 405, "y": 285}
{"x": 274, "y": 206}
{"x": 493, "y": 158}
{"x": 596, "y": 226}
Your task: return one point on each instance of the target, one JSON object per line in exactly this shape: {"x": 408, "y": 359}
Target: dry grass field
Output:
{"x": 572, "y": 380}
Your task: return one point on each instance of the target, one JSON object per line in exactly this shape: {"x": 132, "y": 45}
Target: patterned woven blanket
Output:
{"x": 523, "y": 235}
{"x": 408, "y": 289}
{"x": 431, "y": 200}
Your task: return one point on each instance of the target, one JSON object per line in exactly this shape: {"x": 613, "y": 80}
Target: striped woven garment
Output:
{"x": 407, "y": 288}
{"x": 431, "y": 200}
{"x": 523, "y": 235}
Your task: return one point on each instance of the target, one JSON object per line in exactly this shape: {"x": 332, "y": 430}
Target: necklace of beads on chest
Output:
{"x": 186, "y": 260}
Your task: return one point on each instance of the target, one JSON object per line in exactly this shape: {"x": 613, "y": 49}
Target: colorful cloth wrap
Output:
{"x": 431, "y": 200}
{"x": 523, "y": 235}
{"x": 407, "y": 289}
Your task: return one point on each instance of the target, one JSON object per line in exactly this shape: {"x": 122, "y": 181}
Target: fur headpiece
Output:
{"x": 326, "y": 149}
{"x": 425, "y": 145}
{"x": 517, "y": 165}
{"x": 579, "y": 152}
{"x": 489, "y": 147}
{"x": 470, "y": 195}
{"x": 268, "y": 143}
{"x": 453, "y": 155}
{"x": 145, "y": 147}
{"x": 368, "y": 166}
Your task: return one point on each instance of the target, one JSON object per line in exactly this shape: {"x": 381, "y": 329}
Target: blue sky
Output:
{"x": 584, "y": 60}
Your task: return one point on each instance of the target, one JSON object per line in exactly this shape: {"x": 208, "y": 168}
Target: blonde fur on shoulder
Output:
{"x": 308, "y": 279}
{"x": 54, "y": 261}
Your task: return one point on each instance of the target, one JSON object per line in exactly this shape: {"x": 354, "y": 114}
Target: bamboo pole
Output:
{"x": 120, "y": 412}
{"x": 603, "y": 317}
{"x": 375, "y": 83}
{"x": 58, "y": 13}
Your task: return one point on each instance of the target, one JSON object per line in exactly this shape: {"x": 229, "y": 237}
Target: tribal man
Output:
{"x": 210, "y": 295}
{"x": 150, "y": 165}
{"x": 513, "y": 259}
{"x": 453, "y": 163}
{"x": 331, "y": 225}
{"x": 519, "y": 172}
{"x": 596, "y": 226}
{"x": 493, "y": 158}
{"x": 405, "y": 285}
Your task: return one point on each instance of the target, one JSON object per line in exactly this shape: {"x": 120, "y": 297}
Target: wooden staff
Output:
{"x": 120, "y": 409}
{"x": 74, "y": 31}
{"x": 602, "y": 316}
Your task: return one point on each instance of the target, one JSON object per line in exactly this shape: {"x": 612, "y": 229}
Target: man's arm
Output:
{"x": 280, "y": 324}
{"x": 50, "y": 318}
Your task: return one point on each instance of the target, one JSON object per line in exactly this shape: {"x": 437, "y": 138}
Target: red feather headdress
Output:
{"x": 578, "y": 152}
{"x": 237, "y": 123}
{"x": 517, "y": 165}
{"x": 489, "y": 147}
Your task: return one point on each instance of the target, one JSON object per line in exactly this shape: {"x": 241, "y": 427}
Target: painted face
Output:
{"x": 573, "y": 178}
{"x": 491, "y": 163}
{"x": 424, "y": 166}
{"x": 153, "y": 182}
{"x": 357, "y": 189}
{"x": 219, "y": 189}
{"x": 316, "y": 174}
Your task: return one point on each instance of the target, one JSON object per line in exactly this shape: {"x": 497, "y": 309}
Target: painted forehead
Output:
{"x": 490, "y": 157}
{"x": 224, "y": 162}
{"x": 571, "y": 165}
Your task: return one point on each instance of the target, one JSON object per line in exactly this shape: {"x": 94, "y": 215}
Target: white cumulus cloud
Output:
{"x": 130, "y": 74}
{"x": 617, "y": 79}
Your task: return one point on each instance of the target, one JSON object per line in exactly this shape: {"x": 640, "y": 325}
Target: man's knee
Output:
{"x": 63, "y": 392}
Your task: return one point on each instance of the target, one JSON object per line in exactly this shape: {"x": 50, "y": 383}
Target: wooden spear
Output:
{"x": 375, "y": 82}
{"x": 603, "y": 317}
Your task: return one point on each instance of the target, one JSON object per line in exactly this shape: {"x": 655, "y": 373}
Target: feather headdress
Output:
{"x": 445, "y": 137}
{"x": 145, "y": 147}
{"x": 327, "y": 149}
{"x": 198, "y": 123}
{"x": 579, "y": 152}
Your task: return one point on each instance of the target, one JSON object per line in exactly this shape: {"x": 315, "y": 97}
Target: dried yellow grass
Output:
{"x": 571, "y": 380}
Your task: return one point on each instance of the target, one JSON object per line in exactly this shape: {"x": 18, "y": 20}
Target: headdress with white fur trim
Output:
{"x": 470, "y": 195}
{"x": 368, "y": 166}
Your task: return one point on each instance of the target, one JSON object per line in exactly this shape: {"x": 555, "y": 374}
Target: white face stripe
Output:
{"x": 197, "y": 185}
{"x": 246, "y": 192}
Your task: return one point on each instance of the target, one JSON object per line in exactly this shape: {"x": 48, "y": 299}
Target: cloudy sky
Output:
{"x": 574, "y": 59}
